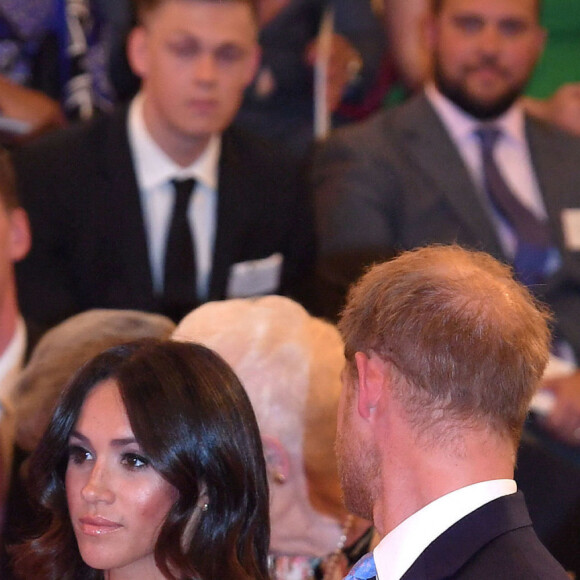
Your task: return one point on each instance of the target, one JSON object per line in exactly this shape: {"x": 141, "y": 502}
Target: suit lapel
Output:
{"x": 126, "y": 214}
{"x": 427, "y": 142}
{"x": 547, "y": 153}
{"x": 233, "y": 206}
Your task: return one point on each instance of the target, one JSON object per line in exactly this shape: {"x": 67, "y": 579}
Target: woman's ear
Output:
{"x": 277, "y": 459}
{"x": 201, "y": 507}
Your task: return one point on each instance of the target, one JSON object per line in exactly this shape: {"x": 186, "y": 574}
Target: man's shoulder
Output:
{"x": 78, "y": 139}
{"x": 545, "y": 132}
{"x": 388, "y": 125}
{"x": 260, "y": 162}
{"x": 248, "y": 147}
{"x": 497, "y": 538}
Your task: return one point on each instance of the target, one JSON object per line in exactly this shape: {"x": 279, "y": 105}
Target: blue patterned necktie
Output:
{"x": 533, "y": 235}
{"x": 363, "y": 569}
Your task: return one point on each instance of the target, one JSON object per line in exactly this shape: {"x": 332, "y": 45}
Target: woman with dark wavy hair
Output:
{"x": 151, "y": 468}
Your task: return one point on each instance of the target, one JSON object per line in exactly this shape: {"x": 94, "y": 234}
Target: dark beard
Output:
{"x": 482, "y": 111}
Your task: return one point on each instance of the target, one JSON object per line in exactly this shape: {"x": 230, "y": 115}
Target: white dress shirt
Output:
{"x": 11, "y": 361}
{"x": 399, "y": 549}
{"x": 155, "y": 171}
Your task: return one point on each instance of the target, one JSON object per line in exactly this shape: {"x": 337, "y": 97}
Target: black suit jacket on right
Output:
{"x": 495, "y": 542}
{"x": 89, "y": 241}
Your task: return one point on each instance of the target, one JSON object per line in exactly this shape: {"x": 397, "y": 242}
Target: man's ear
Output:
{"x": 277, "y": 459}
{"x": 254, "y": 65}
{"x": 371, "y": 380}
{"x": 20, "y": 237}
{"x": 137, "y": 51}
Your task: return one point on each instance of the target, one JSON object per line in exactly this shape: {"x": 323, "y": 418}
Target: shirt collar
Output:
{"x": 154, "y": 167}
{"x": 12, "y": 358}
{"x": 462, "y": 126}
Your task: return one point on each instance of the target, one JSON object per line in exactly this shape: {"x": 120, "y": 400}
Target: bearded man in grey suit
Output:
{"x": 418, "y": 174}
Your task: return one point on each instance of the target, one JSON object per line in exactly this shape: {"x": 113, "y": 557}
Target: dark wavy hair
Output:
{"x": 194, "y": 421}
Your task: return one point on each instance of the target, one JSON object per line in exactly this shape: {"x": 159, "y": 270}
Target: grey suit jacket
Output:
{"x": 396, "y": 181}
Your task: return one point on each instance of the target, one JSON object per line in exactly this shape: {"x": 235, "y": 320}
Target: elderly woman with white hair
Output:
{"x": 290, "y": 364}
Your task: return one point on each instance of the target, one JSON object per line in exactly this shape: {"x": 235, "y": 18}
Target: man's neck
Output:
{"x": 182, "y": 149}
{"x": 423, "y": 475}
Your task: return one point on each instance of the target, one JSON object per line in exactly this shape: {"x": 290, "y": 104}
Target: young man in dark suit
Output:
{"x": 108, "y": 232}
{"x": 444, "y": 351}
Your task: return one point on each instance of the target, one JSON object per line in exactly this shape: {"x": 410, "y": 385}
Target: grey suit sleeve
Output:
{"x": 355, "y": 192}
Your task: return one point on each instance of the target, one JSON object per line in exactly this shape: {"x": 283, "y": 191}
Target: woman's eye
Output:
{"x": 134, "y": 461}
{"x": 78, "y": 455}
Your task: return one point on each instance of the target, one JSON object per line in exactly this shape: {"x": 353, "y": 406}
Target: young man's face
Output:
{"x": 195, "y": 60}
{"x": 485, "y": 52}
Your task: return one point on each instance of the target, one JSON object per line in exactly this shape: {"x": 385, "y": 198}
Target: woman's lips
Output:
{"x": 97, "y": 526}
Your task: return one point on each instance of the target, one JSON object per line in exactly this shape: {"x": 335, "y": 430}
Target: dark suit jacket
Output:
{"x": 89, "y": 241}
{"x": 495, "y": 542}
{"x": 396, "y": 182}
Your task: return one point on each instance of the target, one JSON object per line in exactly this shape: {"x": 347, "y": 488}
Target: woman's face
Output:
{"x": 117, "y": 501}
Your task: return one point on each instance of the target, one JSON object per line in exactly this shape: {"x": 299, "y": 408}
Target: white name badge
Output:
{"x": 571, "y": 228}
{"x": 255, "y": 277}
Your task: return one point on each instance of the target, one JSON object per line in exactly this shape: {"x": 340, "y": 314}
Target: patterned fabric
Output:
{"x": 292, "y": 567}
{"x": 84, "y": 38}
{"x": 23, "y": 25}
{"x": 364, "y": 569}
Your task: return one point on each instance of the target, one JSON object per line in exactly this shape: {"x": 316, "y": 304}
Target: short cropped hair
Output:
{"x": 8, "y": 190}
{"x": 437, "y": 6}
{"x": 192, "y": 418}
{"x": 143, "y": 7}
{"x": 466, "y": 343}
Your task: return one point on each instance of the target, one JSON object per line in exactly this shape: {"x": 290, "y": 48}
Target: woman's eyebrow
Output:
{"x": 120, "y": 442}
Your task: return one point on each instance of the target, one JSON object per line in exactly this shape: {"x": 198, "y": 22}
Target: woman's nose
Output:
{"x": 97, "y": 487}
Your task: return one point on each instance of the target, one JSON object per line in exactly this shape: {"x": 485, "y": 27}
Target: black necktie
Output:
{"x": 179, "y": 290}
{"x": 532, "y": 234}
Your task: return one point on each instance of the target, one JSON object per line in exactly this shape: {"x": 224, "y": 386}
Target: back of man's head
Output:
{"x": 466, "y": 344}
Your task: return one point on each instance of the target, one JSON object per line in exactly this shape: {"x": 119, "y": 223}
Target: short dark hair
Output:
{"x": 142, "y": 7}
{"x": 8, "y": 191}
{"x": 193, "y": 419}
{"x": 437, "y": 5}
